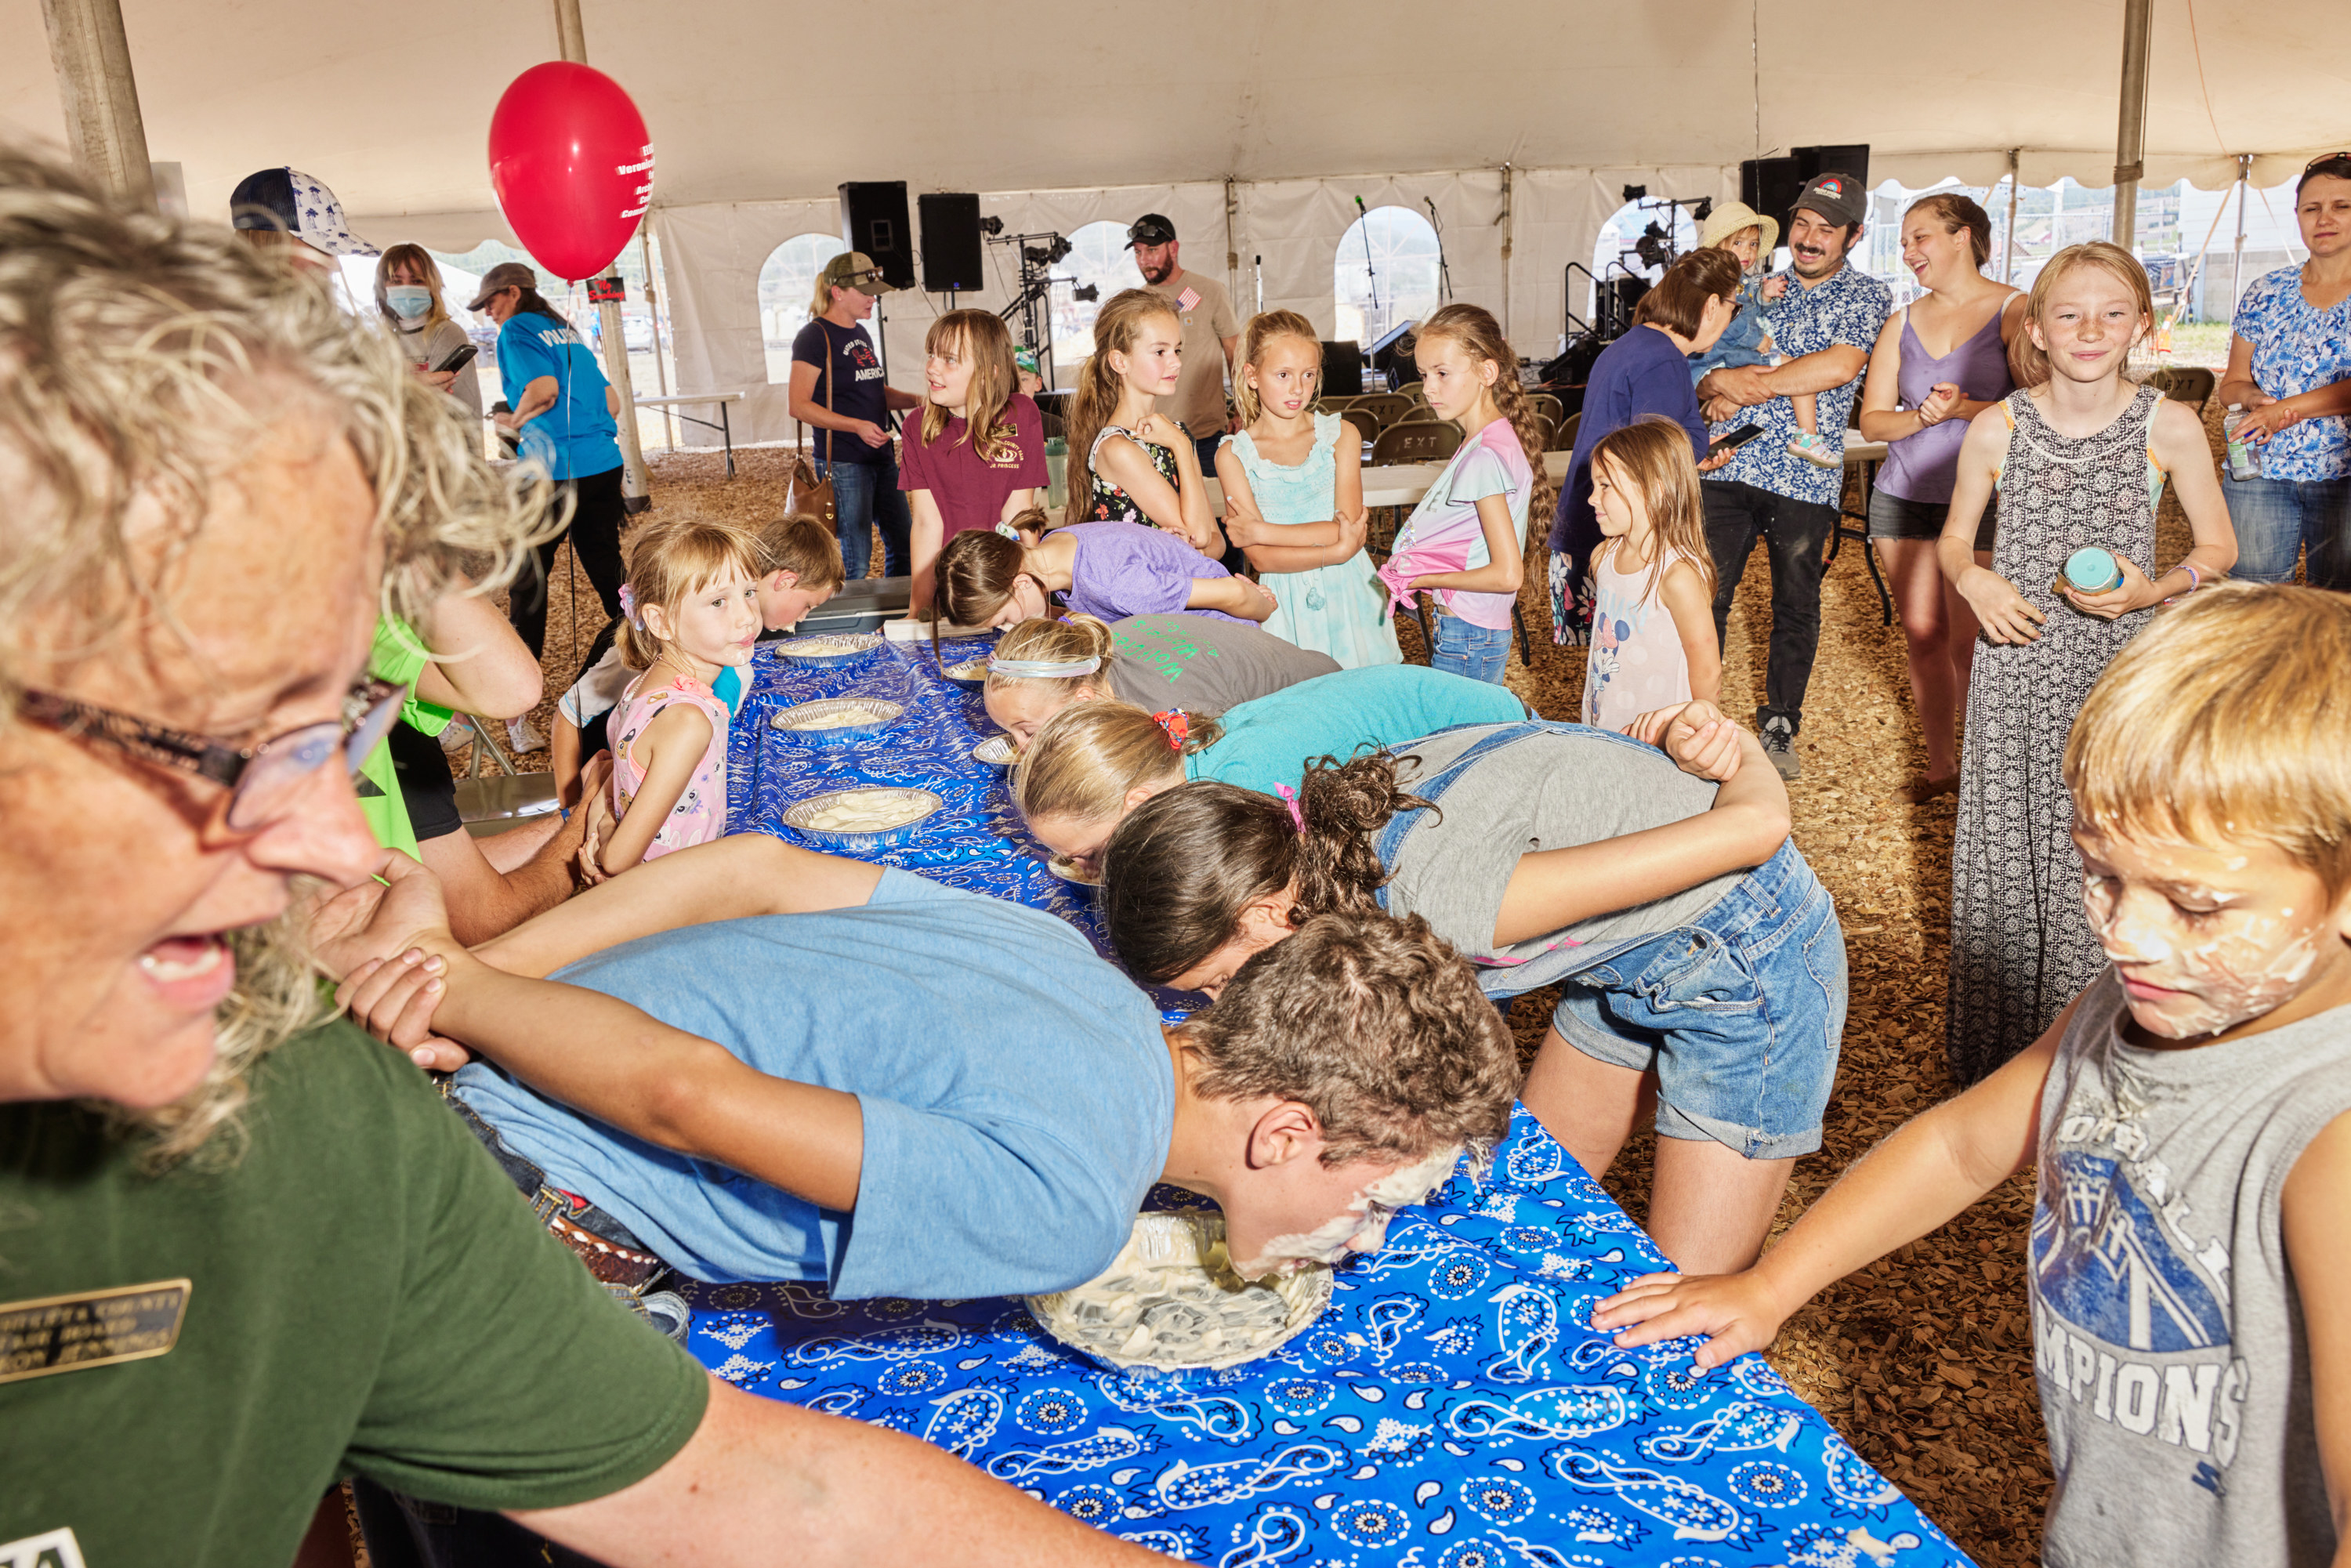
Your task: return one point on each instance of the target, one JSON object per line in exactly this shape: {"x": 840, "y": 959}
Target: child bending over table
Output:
{"x": 971, "y": 1103}
{"x": 1106, "y": 569}
{"x": 1042, "y": 667}
{"x": 2185, "y": 1115}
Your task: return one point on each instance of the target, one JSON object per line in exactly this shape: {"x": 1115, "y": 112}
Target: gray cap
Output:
{"x": 505, "y": 274}
{"x": 1836, "y": 197}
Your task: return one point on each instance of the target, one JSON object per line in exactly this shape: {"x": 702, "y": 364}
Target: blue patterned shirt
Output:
{"x": 1849, "y": 307}
{"x": 2298, "y": 350}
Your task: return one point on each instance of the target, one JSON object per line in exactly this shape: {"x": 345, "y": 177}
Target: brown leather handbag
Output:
{"x": 805, "y": 495}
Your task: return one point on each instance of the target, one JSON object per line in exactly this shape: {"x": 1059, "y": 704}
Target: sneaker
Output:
{"x": 521, "y": 737}
{"x": 456, "y": 734}
{"x": 1780, "y": 746}
{"x": 1815, "y": 450}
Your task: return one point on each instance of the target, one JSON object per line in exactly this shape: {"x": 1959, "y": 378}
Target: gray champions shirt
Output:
{"x": 2174, "y": 1377}
{"x": 1550, "y": 790}
{"x": 1204, "y": 665}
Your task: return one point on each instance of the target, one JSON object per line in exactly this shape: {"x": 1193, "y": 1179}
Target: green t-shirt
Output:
{"x": 1271, "y": 741}
{"x": 399, "y": 655}
{"x": 367, "y": 1294}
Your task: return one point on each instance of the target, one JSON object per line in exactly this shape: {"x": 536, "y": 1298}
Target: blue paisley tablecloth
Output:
{"x": 1452, "y": 1408}
{"x": 973, "y": 842}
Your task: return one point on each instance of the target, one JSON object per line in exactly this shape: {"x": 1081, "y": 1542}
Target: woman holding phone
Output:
{"x": 1645, "y": 372}
{"x": 408, "y": 290}
{"x": 1941, "y": 361}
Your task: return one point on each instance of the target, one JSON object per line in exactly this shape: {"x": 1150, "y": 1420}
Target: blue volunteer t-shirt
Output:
{"x": 577, "y": 437}
{"x": 1269, "y": 741}
{"x": 1016, "y": 1094}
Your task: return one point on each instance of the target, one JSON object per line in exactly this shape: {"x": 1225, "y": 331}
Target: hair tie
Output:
{"x": 1176, "y": 724}
{"x": 1290, "y": 798}
{"x": 1009, "y": 531}
{"x": 629, "y": 607}
{"x": 1042, "y": 669}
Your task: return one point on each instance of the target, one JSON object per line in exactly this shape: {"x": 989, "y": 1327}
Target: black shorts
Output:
{"x": 1899, "y": 518}
{"x": 425, "y": 782}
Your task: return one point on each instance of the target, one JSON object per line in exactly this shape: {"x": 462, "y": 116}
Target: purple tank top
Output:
{"x": 1922, "y": 468}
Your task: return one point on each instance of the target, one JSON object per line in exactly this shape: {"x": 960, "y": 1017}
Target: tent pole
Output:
{"x": 92, "y": 57}
{"x": 636, "y": 493}
{"x": 2236, "y": 267}
{"x": 2130, "y": 135}
{"x": 652, "y": 319}
{"x": 1232, "y": 237}
{"x": 1506, "y": 252}
{"x": 2015, "y": 180}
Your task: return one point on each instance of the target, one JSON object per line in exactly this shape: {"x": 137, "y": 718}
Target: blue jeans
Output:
{"x": 1739, "y": 1013}
{"x": 866, "y": 496}
{"x": 2274, "y": 518}
{"x": 1464, "y": 648}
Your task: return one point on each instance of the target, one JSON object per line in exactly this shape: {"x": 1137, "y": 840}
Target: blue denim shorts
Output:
{"x": 1739, "y": 1013}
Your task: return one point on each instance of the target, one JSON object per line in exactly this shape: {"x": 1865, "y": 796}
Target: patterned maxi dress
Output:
{"x": 2020, "y": 945}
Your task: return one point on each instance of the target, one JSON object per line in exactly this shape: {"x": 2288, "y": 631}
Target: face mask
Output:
{"x": 409, "y": 301}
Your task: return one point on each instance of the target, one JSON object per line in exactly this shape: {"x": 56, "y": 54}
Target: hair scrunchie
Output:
{"x": 1177, "y": 726}
{"x": 1290, "y": 798}
{"x": 1009, "y": 531}
{"x": 629, "y": 607}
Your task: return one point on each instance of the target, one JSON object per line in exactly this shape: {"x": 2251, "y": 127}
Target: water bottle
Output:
{"x": 2242, "y": 465}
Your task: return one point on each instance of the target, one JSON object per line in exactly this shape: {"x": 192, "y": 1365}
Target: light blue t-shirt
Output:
{"x": 1016, "y": 1094}
{"x": 1269, "y": 741}
{"x": 576, "y": 437}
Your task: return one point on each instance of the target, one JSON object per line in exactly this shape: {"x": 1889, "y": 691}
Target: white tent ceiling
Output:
{"x": 1068, "y": 114}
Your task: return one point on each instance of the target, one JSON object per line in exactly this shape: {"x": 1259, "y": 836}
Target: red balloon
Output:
{"x": 572, "y": 166}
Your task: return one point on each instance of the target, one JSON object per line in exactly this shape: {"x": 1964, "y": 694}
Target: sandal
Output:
{"x": 1919, "y": 792}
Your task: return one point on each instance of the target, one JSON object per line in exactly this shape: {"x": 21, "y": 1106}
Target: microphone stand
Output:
{"x": 1371, "y": 277}
{"x": 1443, "y": 277}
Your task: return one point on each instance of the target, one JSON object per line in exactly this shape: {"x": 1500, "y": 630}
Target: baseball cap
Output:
{"x": 856, "y": 269}
{"x": 505, "y": 274}
{"x": 1836, "y": 196}
{"x": 293, "y": 203}
{"x": 1151, "y": 228}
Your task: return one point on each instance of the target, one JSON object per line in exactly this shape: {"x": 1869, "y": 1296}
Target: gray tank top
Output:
{"x": 2175, "y": 1377}
{"x": 1925, "y": 464}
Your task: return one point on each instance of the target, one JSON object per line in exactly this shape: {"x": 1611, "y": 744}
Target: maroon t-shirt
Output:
{"x": 969, "y": 489}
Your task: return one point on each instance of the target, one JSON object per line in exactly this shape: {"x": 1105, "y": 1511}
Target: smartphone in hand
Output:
{"x": 459, "y": 358}
{"x": 1732, "y": 441}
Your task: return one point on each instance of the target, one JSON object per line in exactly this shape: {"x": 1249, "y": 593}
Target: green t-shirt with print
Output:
{"x": 365, "y": 1293}
{"x": 399, "y": 655}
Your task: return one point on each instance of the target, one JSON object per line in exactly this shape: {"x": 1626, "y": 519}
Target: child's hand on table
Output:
{"x": 1737, "y": 1312}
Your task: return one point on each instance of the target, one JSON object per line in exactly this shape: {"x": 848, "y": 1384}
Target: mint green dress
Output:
{"x": 1333, "y": 609}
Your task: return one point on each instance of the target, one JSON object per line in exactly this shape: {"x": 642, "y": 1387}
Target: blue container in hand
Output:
{"x": 2092, "y": 570}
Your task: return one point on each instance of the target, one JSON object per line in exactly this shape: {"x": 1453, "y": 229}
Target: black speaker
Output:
{"x": 873, "y": 220}
{"x": 1771, "y": 186}
{"x": 1342, "y": 370}
{"x": 1851, "y": 159}
{"x": 951, "y": 247}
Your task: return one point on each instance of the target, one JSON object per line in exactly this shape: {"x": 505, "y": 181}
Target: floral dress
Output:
{"x": 1334, "y": 610}
{"x": 2022, "y": 946}
{"x": 700, "y": 814}
{"x": 1111, "y": 504}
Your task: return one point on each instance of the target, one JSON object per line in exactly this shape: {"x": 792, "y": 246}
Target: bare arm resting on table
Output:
{"x": 761, "y": 1481}
{"x": 1933, "y": 1168}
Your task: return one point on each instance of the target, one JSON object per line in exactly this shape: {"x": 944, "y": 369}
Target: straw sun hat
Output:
{"x": 1729, "y": 217}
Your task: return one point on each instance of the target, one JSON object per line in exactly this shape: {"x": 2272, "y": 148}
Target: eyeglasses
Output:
{"x": 262, "y": 779}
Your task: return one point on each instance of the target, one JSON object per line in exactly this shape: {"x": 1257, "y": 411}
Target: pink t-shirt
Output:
{"x": 969, "y": 488}
{"x": 1444, "y": 525}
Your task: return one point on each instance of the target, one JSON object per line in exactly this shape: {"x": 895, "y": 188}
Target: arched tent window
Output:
{"x": 1385, "y": 274}
{"x": 786, "y": 283}
{"x": 1097, "y": 255}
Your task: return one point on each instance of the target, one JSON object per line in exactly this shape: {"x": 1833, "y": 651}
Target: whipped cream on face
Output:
{"x": 1363, "y": 1227}
{"x": 2248, "y": 964}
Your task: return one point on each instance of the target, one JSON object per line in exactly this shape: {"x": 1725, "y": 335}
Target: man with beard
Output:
{"x": 1824, "y": 327}
{"x": 1209, "y": 326}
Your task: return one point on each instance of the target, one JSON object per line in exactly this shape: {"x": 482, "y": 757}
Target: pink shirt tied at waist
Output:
{"x": 1443, "y": 534}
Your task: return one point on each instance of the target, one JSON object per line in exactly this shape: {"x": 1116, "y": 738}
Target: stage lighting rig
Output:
{"x": 1039, "y": 254}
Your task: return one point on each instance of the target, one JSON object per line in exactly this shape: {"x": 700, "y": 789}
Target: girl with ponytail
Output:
{"x": 1465, "y": 543}
{"x": 1155, "y": 662}
{"x": 1128, "y": 462}
{"x": 1093, "y": 762}
{"x": 1699, "y": 961}
{"x": 1017, "y": 570}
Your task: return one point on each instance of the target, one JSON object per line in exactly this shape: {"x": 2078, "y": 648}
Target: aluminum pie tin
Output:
{"x": 1090, "y": 1319}
{"x": 830, "y": 651}
{"x": 1069, "y": 871}
{"x": 996, "y": 751}
{"x": 875, "y": 715}
{"x": 971, "y": 672}
{"x": 799, "y": 817}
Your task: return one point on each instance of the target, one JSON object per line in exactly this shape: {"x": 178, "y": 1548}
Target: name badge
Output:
{"x": 96, "y": 1328}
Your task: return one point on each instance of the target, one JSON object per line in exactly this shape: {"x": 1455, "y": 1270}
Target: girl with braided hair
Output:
{"x": 1701, "y": 967}
{"x": 1465, "y": 543}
